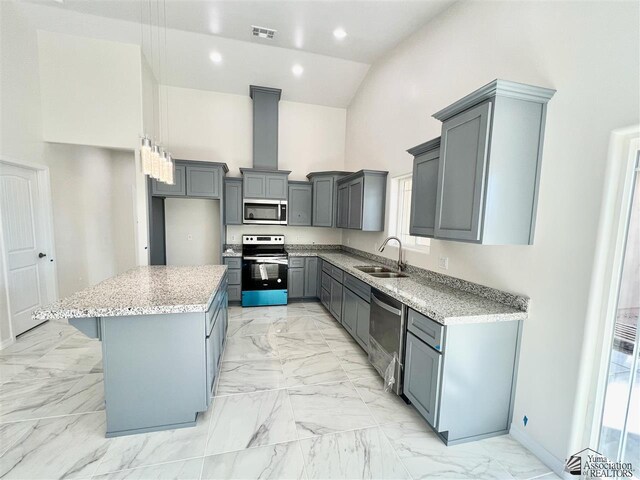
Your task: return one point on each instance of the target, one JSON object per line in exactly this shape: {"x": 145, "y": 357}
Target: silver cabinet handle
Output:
{"x": 383, "y": 305}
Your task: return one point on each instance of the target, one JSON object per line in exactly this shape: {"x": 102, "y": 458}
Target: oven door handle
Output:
{"x": 278, "y": 260}
{"x": 388, "y": 308}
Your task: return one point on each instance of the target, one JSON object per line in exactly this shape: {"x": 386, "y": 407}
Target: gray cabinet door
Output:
{"x": 461, "y": 180}
{"x": 276, "y": 187}
{"x": 356, "y": 190}
{"x": 299, "y": 205}
{"x": 349, "y": 311}
{"x": 424, "y": 194}
{"x": 254, "y": 185}
{"x": 323, "y": 202}
{"x": 336, "y": 299}
{"x": 422, "y": 378}
{"x": 295, "y": 283}
{"x": 362, "y": 323}
{"x": 203, "y": 181}
{"x": 342, "y": 220}
{"x": 179, "y": 188}
{"x": 325, "y": 298}
{"x": 233, "y": 203}
{"x": 311, "y": 277}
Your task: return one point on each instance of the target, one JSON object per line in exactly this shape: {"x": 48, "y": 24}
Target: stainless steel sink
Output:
{"x": 389, "y": 275}
{"x": 373, "y": 269}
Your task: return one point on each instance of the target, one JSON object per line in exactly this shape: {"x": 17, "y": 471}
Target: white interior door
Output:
{"x": 25, "y": 244}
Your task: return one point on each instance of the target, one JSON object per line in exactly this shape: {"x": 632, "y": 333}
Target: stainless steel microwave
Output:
{"x": 267, "y": 212}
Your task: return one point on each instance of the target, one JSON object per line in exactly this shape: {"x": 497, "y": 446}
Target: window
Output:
{"x": 400, "y": 213}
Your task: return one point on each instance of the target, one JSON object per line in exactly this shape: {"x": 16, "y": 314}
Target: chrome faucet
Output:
{"x": 401, "y": 264}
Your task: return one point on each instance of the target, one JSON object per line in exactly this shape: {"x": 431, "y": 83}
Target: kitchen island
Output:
{"x": 162, "y": 331}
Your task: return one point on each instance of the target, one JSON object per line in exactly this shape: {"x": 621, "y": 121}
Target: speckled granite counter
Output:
{"x": 235, "y": 253}
{"x": 443, "y": 303}
{"x": 142, "y": 291}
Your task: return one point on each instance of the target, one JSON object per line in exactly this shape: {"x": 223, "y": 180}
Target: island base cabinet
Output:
{"x": 160, "y": 383}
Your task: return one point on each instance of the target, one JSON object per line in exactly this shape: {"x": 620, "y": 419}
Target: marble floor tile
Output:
{"x": 132, "y": 451}
{"x": 242, "y": 327}
{"x": 293, "y": 324}
{"x": 66, "y": 360}
{"x": 386, "y": 407}
{"x": 40, "y": 340}
{"x": 10, "y": 433}
{"x": 356, "y": 364}
{"x": 181, "y": 470}
{"x": 250, "y": 420}
{"x": 455, "y": 468}
{"x": 314, "y": 308}
{"x": 357, "y": 454}
{"x": 339, "y": 339}
{"x": 328, "y": 408}
{"x": 29, "y": 399}
{"x": 10, "y": 371}
{"x": 278, "y": 462}
{"x": 300, "y": 343}
{"x": 63, "y": 447}
{"x": 258, "y": 347}
{"x": 312, "y": 368}
{"x": 517, "y": 460}
{"x": 327, "y": 322}
{"x": 250, "y": 376}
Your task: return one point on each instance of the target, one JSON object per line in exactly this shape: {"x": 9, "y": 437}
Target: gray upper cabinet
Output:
{"x": 361, "y": 200}
{"x": 270, "y": 184}
{"x": 233, "y": 201}
{"x": 424, "y": 188}
{"x": 204, "y": 181}
{"x": 489, "y": 166}
{"x": 324, "y": 197}
{"x": 179, "y": 188}
{"x": 299, "y": 203}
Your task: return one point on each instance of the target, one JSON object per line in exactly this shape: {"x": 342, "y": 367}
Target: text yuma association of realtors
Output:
{"x": 600, "y": 466}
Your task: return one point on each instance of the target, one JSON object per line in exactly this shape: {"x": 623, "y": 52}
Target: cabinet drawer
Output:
{"x": 233, "y": 262}
{"x": 326, "y": 281}
{"x": 358, "y": 287}
{"x": 426, "y": 329}
{"x": 326, "y": 267}
{"x": 235, "y": 276}
{"x": 235, "y": 293}
{"x": 337, "y": 273}
{"x": 296, "y": 262}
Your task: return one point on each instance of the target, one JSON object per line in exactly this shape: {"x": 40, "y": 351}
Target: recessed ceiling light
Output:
{"x": 297, "y": 70}
{"x": 215, "y": 57}
{"x": 339, "y": 33}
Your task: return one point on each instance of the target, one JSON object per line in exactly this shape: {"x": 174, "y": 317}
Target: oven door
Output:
{"x": 267, "y": 212}
{"x": 264, "y": 273}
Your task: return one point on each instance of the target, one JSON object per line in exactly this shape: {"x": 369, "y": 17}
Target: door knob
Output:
{"x": 41, "y": 255}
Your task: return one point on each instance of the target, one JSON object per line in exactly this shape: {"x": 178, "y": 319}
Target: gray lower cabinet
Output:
{"x": 422, "y": 377}
{"x": 325, "y": 194}
{"x": 299, "y": 204}
{"x": 335, "y": 306}
{"x": 424, "y": 188}
{"x": 295, "y": 282}
{"x": 268, "y": 184}
{"x": 489, "y": 166}
{"x": 355, "y": 316}
{"x": 325, "y": 298}
{"x": 204, "y": 181}
{"x": 232, "y": 201}
{"x": 234, "y": 274}
{"x": 311, "y": 277}
{"x": 179, "y": 187}
{"x": 361, "y": 200}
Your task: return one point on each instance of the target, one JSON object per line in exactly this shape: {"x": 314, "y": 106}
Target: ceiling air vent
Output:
{"x": 263, "y": 32}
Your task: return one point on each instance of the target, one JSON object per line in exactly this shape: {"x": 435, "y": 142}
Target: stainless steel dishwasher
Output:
{"x": 387, "y": 332}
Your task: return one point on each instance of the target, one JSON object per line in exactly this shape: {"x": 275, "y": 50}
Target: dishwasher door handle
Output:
{"x": 388, "y": 308}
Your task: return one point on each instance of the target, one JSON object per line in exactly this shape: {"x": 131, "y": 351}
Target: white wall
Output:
{"x": 192, "y": 228}
{"x": 561, "y": 45}
{"x": 218, "y": 127}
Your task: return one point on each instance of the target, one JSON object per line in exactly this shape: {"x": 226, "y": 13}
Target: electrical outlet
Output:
{"x": 189, "y": 237}
{"x": 443, "y": 262}
{"x": 233, "y": 238}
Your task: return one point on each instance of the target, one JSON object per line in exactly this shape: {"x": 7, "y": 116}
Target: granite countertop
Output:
{"x": 445, "y": 304}
{"x": 231, "y": 254}
{"x": 142, "y": 291}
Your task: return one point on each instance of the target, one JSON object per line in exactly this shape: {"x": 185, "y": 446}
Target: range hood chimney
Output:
{"x": 265, "y": 126}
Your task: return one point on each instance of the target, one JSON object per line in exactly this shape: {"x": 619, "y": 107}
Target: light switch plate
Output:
{"x": 443, "y": 262}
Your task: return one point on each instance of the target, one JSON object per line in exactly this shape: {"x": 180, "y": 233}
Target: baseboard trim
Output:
{"x": 5, "y": 343}
{"x": 550, "y": 460}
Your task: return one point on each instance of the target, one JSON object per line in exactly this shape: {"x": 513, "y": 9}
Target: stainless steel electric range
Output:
{"x": 264, "y": 270}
